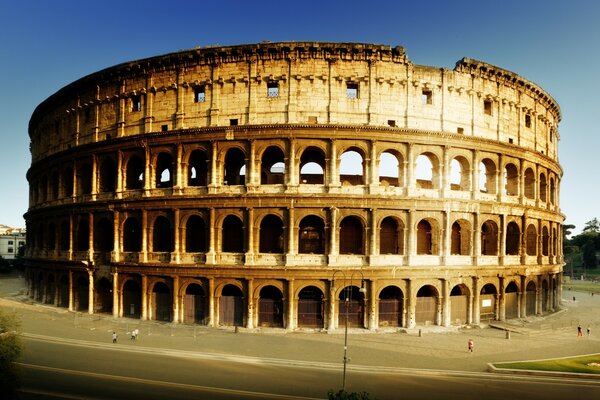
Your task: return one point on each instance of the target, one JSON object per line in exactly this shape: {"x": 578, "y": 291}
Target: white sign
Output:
{"x": 486, "y": 303}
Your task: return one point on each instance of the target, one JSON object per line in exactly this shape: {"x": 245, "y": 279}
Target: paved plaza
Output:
{"x": 433, "y": 347}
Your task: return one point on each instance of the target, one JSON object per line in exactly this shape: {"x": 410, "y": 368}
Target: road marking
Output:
{"x": 162, "y": 383}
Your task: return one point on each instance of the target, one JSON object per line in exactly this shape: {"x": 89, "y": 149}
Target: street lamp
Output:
{"x": 348, "y": 290}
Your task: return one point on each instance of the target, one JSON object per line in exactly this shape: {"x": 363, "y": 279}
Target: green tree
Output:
{"x": 589, "y": 254}
{"x": 343, "y": 395}
{"x": 592, "y": 226}
{"x": 10, "y": 349}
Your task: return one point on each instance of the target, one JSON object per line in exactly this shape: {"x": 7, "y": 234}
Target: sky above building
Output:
{"x": 45, "y": 45}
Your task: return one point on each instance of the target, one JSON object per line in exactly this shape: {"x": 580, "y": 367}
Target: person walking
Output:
{"x": 579, "y": 332}
{"x": 114, "y": 337}
{"x": 589, "y": 330}
{"x": 470, "y": 345}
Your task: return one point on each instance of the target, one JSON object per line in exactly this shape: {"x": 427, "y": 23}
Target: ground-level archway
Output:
{"x": 231, "y": 306}
{"x": 270, "y": 307}
{"x": 426, "y": 309}
{"x": 391, "y": 306}
{"x": 103, "y": 299}
{"x": 132, "y": 299}
{"x": 459, "y": 305}
{"x": 488, "y": 297}
{"x": 352, "y": 307}
{"x": 194, "y": 305}
{"x": 161, "y": 300}
{"x": 310, "y": 308}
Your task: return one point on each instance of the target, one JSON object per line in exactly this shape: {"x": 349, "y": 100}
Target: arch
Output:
{"x": 391, "y": 236}
{"x": 511, "y": 300}
{"x": 108, "y": 175}
{"x": 529, "y": 184}
{"x": 197, "y": 168}
{"x": 83, "y": 235}
{"x": 271, "y": 238}
{"x": 426, "y": 308}
{"x": 489, "y": 238}
{"x": 134, "y": 173}
{"x": 50, "y": 289}
{"x": 460, "y": 238}
{"x": 488, "y": 300}
{"x": 272, "y": 166}
{"x": 84, "y": 179}
{"x": 270, "y": 307}
{"x": 51, "y": 236}
{"x": 81, "y": 293}
{"x": 545, "y": 295}
{"x": 513, "y": 239}
{"x": 390, "y": 168}
{"x": 460, "y": 178}
{"x": 161, "y": 300}
{"x": 545, "y": 241}
{"x": 426, "y": 238}
{"x": 63, "y": 291}
{"x": 68, "y": 181}
{"x": 511, "y": 180}
{"x": 554, "y": 242}
{"x": 543, "y": 188}
{"x": 103, "y": 235}
{"x": 531, "y": 240}
{"x": 459, "y": 304}
{"x": 162, "y": 235}
{"x": 311, "y": 235}
{"x": 351, "y": 236}
{"x": 132, "y": 299}
{"x": 103, "y": 296}
{"x": 427, "y": 171}
{"x": 195, "y": 235}
{"x": 132, "y": 235}
{"x": 65, "y": 236}
{"x": 351, "y": 307}
{"x": 530, "y": 298}
{"x": 194, "y": 305}
{"x": 352, "y": 168}
{"x": 164, "y": 170}
{"x": 312, "y": 166}
{"x": 552, "y": 191}
{"x": 235, "y": 163}
{"x": 232, "y": 240}
{"x": 54, "y": 185}
{"x": 391, "y": 306}
{"x": 231, "y": 306}
{"x": 311, "y": 308}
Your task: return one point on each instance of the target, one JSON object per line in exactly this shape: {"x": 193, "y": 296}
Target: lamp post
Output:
{"x": 348, "y": 290}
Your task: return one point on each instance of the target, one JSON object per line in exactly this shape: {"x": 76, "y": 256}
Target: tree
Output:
{"x": 10, "y": 349}
{"x": 589, "y": 254}
{"x": 592, "y": 226}
{"x": 567, "y": 230}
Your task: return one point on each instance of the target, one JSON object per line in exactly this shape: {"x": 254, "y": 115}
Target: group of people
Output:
{"x": 580, "y": 331}
{"x": 134, "y": 335}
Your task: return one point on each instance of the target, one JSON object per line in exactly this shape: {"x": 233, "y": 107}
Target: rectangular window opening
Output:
{"x": 312, "y": 120}
{"x": 164, "y": 128}
{"x": 487, "y": 107}
{"x": 460, "y": 130}
{"x": 510, "y": 140}
{"x": 527, "y": 121}
{"x": 426, "y": 96}
{"x": 136, "y": 103}
{"x": 272, "y": 89}
{"x": 199, "y": 94}
{"x": 233, "y": 122}
{"x": 392, "y": 122}
{"x": 352, "y": 91}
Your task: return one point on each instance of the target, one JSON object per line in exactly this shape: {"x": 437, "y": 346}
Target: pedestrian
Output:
{"x": 136, "y": 332}
{"x": 114, "y": 337}
{"x": 470, "y": 345}
{"x": 573, "y": 298}
{"x": 579, "y": 332}
{"x": 133, "y": 334}
{"x": 589, "y": 330}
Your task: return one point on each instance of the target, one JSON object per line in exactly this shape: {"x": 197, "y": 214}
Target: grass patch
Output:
{"x": 584, "y": 286}
{"x": 572, "y": 364}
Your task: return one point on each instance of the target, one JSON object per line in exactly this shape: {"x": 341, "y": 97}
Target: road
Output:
{"x": 56, "y": 369}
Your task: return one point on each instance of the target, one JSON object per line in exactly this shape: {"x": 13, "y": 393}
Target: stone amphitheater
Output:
{"x": 297, "y": 185}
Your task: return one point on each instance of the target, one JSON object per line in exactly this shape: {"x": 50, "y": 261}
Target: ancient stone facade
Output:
{"x": 263, "y": 185}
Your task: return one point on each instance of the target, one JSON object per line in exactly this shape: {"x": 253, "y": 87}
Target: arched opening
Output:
{"x": 84, "y": 181}
{"x": 164, "y": 170}
{"x": 511, "y": 301}
{"x": 513, "y": 239}
{"x": 63, "y": 291}
{"x": 81, "y": 293}
{"x": 529, "y": 184}
{"x": 132, "y": 299}
{"x": 530, "y": 302}
{"x": 54, "y": 186}
{"x": 352, "y": 307}
{"x": 162, "y": 235}
{"x": 197, "y": 168}
{"x": 135, "y": 173}
{"x": 488, "y": 297}
{"x": 50, "y": 289}
{"x": 552, "y": 191}
{"x": 425, "y": 238}
{"x": 543, "y": 188}
{"x": 459, "y": 304}
{"x": 460, "y": 238}
{"x": 311, "y": 235}
{"x": 531, "y": 240}
{"x": 232, "y": 235}
{"x": 460, "y": 174}
{"x": 83, "y": 235}
{"x": 132, "y": 235}
{"x": 103, "y": 235}
{"x": 390, "y": 172}
{"x": 68, "y": 181}
{"x": 195, "y": 235}
{"x": 489, "y": 238}
{"x": 545, "y": 241}
{"x": 312, "y": 166}
{"x": 391, "y": 303}
{"x": 310, "y": 308}
{"x": 351, "y": 168}
{"x": 511, "y": 180}
{"x": 108, "y": 175}
{"x": 554, "y": 243}
{"x": 51, "y": 236}
{"x": 234, "y": 162}
{"x": 426, "y": 307}
{"x": 103, "y": 296}
{"x": 42, "y": 189}
{"x": 351, "y": 236}
{"x": 271, "y": 235}
{"x": 65, "y": 236}
{"x": 161, "y": 299}
{"x": 272, "y": 167}
{"x": 391, "y": 240}
{"x": 231, "y": 306}
{"x": 194, "y": 305}
{"x": 427, "y": 171}
{"x": 270, "y": 307}
{"x": 545, "y": 295}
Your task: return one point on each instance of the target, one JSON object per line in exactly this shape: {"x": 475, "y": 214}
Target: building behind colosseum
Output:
{"x": 292, "y": 184}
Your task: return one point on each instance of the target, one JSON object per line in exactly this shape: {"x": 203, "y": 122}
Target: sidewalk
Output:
{"x": 438, "y": 348}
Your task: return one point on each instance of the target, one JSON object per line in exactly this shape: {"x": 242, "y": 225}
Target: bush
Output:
{"x": 10, "y": 350}
{"x": 343, "y": 395}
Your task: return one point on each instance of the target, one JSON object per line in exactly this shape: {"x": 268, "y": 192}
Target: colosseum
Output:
{"x": 297, "y": 185}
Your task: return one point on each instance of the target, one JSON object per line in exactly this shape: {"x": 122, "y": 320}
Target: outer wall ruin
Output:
{"x": 266, "y": 184}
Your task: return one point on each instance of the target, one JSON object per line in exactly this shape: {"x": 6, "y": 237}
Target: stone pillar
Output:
{"x": 70, "y": 290}
{"x": 374, "y": 234}
{"x": 144, "y": 235}
{"x": 333, "y": 235}
{"x": 334, "y": 176}
{"x": 214, "y": 181}
{"x": 373, "y": 170}
{"x": 476, "y": 238}
{"x": 250, "y": 298}
{"x": 523, "y": 297}
{"x": 211, "y": 254}
{"x": 475, "y": 189}
{"x": 95, "y": 177}
{"x": 500, "y": 188}
{"x": 373, "y": 309}
{"x": 502, "y": 232}
{"x": 117, "y": 310}
{"x": 148, "y": 175}
{"x": 501, "y": 303}
{"x": 144, "y": 315}
{"x": 446, "y": 235}
{"x": 119, "y": 188}
{"x": 411, "y": 241}
{"x": 445, "y": 300}
{"x": 476, "y": 311}
{"x": 91, "y": 236}
{"x": 179, "y": 171}
{"x": 410, "y": 173}
{"x": 252, "y": 175}
{"x": 444, "y": 179}
{"x": 292, "y": 176}
{"x": 291, "y": 312}
{"x": 249, "y": 259}
{"x": 292, "y": 234}
{"x": 91, "y": 291}
{"x": 412, "y": 304}
{"x": 71, "y": 237}
{"x": 177, "y": 237}
{"x": 332, "y": 300}
{"x": 211, "y": 302}
{"x": 176, "y": 300}
{"x": 116, "y": 233}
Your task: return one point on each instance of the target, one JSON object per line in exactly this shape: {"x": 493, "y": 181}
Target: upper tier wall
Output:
{"x": 289, "y": 83}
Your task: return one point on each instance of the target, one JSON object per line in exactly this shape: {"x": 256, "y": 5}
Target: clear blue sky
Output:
{"x": 44, "y": 45}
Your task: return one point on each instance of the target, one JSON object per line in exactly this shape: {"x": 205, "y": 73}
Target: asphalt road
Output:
{"x": 62, "y": 370}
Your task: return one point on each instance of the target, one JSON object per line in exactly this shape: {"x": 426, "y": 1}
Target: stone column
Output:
{"x": 412, "y": 304}
{"x": 410, "y": 173}
{"x": 252, "y": 175}
{"x": 502, "y": 232}
{"x": 117, "y": 310}
{"x": 95, "y": 178}
{"x": 214, "y": 181}
{"x": 144, "y": 297}
{"x": 250, "y": 298}
{"x": 176, "y": 300}
{"x": 177, "y": 237}
{"x": 291, "y": 312}
{"x": 292, "y": 233}
{"x": 148, "y": 175}
{"x": 71, "y": 234}
{"x": 116, "y": 242}
{"x": 445, "y": 300}
{"x": 70, "y": 290}
{"x": 373, "y": 176}
{"x": 179, "y": 170}
{"x": 332, "y": 300}
{"x": 334, "y": 177}
{"x": 523, "y": 297}
{"x": 211, "y": 302}
{"x": 411, "y": 241}
{"x": 119, "y": 188}
{"x": 249, "y": 259}
{"x": 211, "y": 255}
{"x": 444, "y": 179}
{"x": 475, "y": 189}
{"x": 144, "y": 235}
{"x": 476, "y": 238}
{"x": 500, "y": 188}
{"x": 501, "y": 303}
{"x": 333, "y": 234}
{"x": 292, "y": 178}
{"x": 476, "y": 311}
{"x": 91, "y": 291}
{"x": 446, "y": 235}
{"x": 374, "y": 230}
{"x": 91, "y": 236}
{"x": 373, "y": 312}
